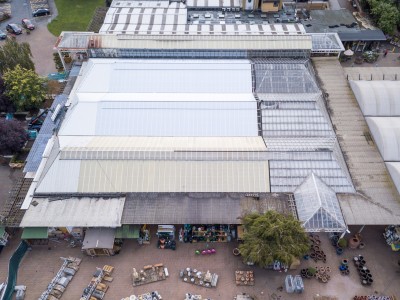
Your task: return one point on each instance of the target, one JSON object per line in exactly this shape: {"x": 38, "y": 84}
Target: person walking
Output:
{"x": 386, "y": 52}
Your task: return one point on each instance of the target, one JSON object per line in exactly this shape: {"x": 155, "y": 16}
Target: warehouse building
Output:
{"x": 173, "y": 125}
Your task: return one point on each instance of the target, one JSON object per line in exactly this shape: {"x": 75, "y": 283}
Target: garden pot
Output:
{"x": 370, "y": 281}
{"x": 316, "y": 248}
{"x": 354, "y": 243}
{"x": 364, "y": 282}
{"x": 361, "y": 246}
{"x": 339, "y": 251}
{"x": 345, "y": 261}
{"x": 355, "y": 258}
{"x": 360, "y": 257}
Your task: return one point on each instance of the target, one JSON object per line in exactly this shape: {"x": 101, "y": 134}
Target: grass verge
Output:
{"x": 73, "y": 15}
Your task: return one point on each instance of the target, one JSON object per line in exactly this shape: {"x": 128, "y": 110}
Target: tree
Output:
{"x": 272, "y": 236}
{"x": 13, "y": 54}
{"x": 386, "y": 14}
{"x": 24, "y": 88}
{"x": 6, "y": 104}
{"x": 12, "y": 136}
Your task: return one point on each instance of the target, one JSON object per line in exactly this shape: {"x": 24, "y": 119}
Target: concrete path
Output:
{"x": 378, "y": 202}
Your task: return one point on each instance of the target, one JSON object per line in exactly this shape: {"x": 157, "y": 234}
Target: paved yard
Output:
{"x": 40, "y": 265}
{"x": 8, "y": 177}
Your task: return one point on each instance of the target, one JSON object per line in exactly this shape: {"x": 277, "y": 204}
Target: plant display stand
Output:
{"x": 244, "y": 277}
{"x": 149, "y": 274}
{"x": 205, "y": 279}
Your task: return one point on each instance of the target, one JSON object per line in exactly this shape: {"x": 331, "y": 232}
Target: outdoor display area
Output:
{"x": 196, "y": 277}
{"x": 392, "y": 237}
{"x": 207, "y": 233}
{"x": 149, "y": 274}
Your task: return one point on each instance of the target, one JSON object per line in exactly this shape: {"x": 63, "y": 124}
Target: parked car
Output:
{"x": 26, "y": 23}
{"x": 41, "y": 12}
{"x": 3, "y": 35}
{"x": 14, "y": 28}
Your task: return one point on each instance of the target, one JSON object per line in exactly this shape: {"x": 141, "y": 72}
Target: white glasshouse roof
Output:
{"x": 377, "y": 98}
{"x": 386, "y": 133}
{"x": 318, "y": 207}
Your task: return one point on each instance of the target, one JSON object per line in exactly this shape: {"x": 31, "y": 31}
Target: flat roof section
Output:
{"x": 378, "y": 201}
{"x": 200, "y": 208}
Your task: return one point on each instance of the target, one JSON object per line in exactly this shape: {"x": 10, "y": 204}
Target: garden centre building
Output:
{"x": 188, "y": 124}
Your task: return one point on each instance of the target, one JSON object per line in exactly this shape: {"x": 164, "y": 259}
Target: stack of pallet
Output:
{"x": 97, "y": 289}
{"x": 59, "y": 283}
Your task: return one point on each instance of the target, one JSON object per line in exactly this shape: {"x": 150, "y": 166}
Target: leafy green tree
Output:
{"x": 386, "y": 14}
{"x": 24, "y": 88}
{"x": 13, "y": 53}
{"x": 272, "y": 236}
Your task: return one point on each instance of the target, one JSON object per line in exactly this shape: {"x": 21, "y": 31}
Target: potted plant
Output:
{"x": 342, "y": 243}
{"x": 67, "y": 58}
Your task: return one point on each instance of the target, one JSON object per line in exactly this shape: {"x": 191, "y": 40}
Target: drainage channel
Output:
{"x": 13, "y": 265}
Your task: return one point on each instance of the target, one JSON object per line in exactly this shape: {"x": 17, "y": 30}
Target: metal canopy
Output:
{"x": 34, "y": 233}
{"x": 99, "y": 238}
{"x": 318, "y": 207}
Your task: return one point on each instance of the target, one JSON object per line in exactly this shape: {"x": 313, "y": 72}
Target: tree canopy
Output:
{"x": 12, "y": 136}
{"x": 24, "y": 88}
{"x": 386, "y": 14}
{"x": 272, "y": 236}
{"x": 13, "y": 53}
{"x": 6, "y": 104}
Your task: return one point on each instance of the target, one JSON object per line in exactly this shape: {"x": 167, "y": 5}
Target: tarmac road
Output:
{"x": 41, "y": 40}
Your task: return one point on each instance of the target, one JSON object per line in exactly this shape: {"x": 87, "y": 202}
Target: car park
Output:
{"x": 41, "y": 12}
{"x": 14, "y": 28}
{"x": 3, "y": 35}
{"x": 26, "y": 23}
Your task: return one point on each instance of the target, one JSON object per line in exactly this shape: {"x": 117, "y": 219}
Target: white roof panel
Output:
{"x": 386, "y": 133}
{"x": 377, "y": 98}
{"x": 74, "y": 212}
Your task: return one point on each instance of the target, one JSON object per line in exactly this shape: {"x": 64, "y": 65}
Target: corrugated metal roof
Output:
{"x": 74, "y": 40}
{"x": 377, "y": 97}
{"x": 317, "y": 206}
{"x": 173, "y": 176}
{"x": 74, "y": 212}
{"x": 198, "y": 208}
{"x": 213, "y": 3}
{"x": 105, "y": 176}
{"x": 363, "y": 35}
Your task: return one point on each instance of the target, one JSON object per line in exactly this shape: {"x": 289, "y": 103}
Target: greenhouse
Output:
{"x": 318, "y": 208}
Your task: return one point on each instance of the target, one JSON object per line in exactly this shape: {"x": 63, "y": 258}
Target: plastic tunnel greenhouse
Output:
{"x": 318, "y": 207}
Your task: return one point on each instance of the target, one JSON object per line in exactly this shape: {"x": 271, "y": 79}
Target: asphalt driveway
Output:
{"x": 41, "y": 40}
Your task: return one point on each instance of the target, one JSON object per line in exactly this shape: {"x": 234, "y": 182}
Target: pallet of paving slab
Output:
{"x": 108, "y": 269}
{"x": 149, "y": 274}
{"x": 108, "y": 278}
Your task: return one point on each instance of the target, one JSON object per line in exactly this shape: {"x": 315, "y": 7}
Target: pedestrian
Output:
{"x": 386, "y": 52}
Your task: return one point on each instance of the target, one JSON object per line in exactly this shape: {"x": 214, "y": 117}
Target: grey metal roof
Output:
{"x": 99, "y": 238}
{"x": 318, "y": 207}
{"x": 322, "y": 21}
{"x": 363, "y": 35}
{"x": 198, "y": 208}
{"x": 35, "y": 154}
